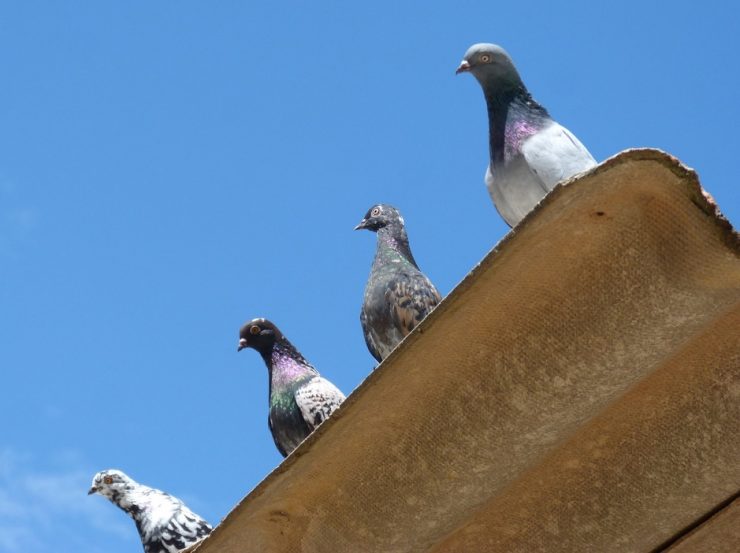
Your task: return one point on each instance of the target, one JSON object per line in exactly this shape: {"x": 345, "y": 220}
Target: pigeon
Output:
{"x": 530, "y": 153}
{"x": 165, "y": 524}
{"x": 397, "y": 295}
{"x": 300, "y": 398}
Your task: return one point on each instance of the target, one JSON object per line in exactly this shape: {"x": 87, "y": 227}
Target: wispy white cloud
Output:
{"x": 22, "y": 219}
{"x": 14, "y": 538}
{"x": 18, "y": 220}
{"x": 44, "y": 507}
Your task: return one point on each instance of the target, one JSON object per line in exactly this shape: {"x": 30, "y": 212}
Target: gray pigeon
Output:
{"x": 397, "y": 295}
{"x": 164, "y": 523}
{"x": 300, "y": 399}
{"x": 530, "y": 153}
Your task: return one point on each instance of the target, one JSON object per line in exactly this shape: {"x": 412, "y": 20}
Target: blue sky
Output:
{"x": 169, "y": 170}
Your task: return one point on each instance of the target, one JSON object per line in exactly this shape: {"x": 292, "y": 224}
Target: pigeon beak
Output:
{"x": 463, "y": 68}
{"x": 361, "y": 225}
{"x": 92, "y": 490}
{"x": 242, "y": 344}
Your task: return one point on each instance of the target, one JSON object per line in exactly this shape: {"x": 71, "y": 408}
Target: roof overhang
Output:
{"x": 578, "y": 391}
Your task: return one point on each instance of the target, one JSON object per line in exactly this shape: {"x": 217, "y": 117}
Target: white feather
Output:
{"x": 317, "y": 399}
{"x": 547, "y": 157}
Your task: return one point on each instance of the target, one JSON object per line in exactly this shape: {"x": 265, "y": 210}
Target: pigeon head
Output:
{"x": 490, "y": 65}
{"x": 381, "y": 216}
{"x": 111, "y": 483}
{"x": 259, "y": 334}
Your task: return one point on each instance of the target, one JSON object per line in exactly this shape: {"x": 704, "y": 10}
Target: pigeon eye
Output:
{"x": 485, "y": 58}
{"x": 375, "y": 212}
{"x": 108, "y": 480}
{"x": 254, "y": 329}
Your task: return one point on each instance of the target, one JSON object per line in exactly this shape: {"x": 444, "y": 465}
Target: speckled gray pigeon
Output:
{"x": 300, "y": 399}
{"x": 164, "y": 523}
{"x": 397, "y": 295}
{"x": 530, "y": 153}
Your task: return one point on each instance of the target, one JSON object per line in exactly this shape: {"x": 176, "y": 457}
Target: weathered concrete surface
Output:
{"x": 578, "y": 391}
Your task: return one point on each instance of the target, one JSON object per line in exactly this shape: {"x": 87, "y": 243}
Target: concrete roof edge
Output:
{"x": 698, "y": 196}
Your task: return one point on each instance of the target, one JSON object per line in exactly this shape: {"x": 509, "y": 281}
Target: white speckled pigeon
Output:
{"x": 530, "y": 153}
{"x": 397, "y": 295}
{"x": 300, "y": 399}
{"x": 164, "y": 523}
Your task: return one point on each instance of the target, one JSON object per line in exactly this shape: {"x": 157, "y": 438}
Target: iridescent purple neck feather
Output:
{"x": 393, "y": 242}
{"x": 512, "y": 119}
{"x": 286, "y": 365}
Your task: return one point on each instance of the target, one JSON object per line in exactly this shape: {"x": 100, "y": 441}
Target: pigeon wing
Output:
{"x": 317, "y": 399}
{"x": 411, "y": 297}
{"x": 369, "y": 338}
{"x": 183, "y": 529}
{"x": 555, "y": 154}
{"x": 279, "y": 446}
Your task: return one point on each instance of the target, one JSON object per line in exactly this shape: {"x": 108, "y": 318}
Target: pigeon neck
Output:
{"x": 513, "y": 116}
{"x": 286, "y": 365}
{"x": 127, "y": 499}
{"x": 393, "y": 243}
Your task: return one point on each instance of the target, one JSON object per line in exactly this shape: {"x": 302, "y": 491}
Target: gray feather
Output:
{"x": 398, "y": 295}
{"x": 529, "y": 152}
